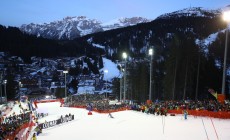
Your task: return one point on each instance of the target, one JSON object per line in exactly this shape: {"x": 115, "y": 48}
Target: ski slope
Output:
{"x": 129, "y": 125}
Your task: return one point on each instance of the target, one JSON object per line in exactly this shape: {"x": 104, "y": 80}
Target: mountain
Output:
{"x": 179, "y": 40}
{"x": 123, "y": 22}
{"x": 188, "y": 53}
{"x": 193, "y": 11}
{"x": 74, "y": 27}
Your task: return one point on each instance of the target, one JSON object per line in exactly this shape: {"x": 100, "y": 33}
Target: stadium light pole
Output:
{"x": 121, "y": 86}
{"x": 65, "y": 72}
{"x": 150, "y": 75}
{"x": 226, "y": 17}
{"x": 124, "y": 55}
{"x": 106, "y": 72}
{"x": 19, "y": 86}
{"x": 5, "y": 81}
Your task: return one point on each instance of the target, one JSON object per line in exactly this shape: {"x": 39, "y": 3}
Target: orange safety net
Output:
{"x": 221, "y": 98}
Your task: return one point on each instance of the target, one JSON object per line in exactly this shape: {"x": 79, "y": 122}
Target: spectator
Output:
{"x": 34, "y": 137}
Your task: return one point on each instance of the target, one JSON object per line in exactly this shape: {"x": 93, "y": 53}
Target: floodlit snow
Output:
{"x": 112, "y": 69}
{"x": 128, "y": 125}
{"x": 209, "y": 40}
{"x": 212, "y": 37}
{"x": 112, "y": 72}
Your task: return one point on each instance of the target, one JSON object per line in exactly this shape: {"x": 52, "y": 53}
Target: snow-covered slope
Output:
{"x": 123, "y": 22}
{"x": 129, "y": 125}
{"x": 73, "y": 27}
{"x": 193, "y": 11}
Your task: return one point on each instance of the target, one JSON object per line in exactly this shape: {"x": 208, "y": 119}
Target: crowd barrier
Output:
{"x": 48, "y": 101}
{"x": 218, "y": 114}
{"x": 78, "y": 106}
{"x": 104, "y": 111}
{"x": 111, "y": 110}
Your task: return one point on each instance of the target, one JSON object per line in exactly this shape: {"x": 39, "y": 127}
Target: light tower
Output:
{"x": 226, "y": 17}
{"x": 150, "y": 75}
{"x": 124, "y": 55}
{"x": 106, "y": 72}
{"x": 65, "y": 72}
{"x": 5, "y": 81}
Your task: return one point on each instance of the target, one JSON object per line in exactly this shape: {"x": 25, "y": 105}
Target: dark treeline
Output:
{"x": 178, "y": 59}
{"x": 15, "y": 42}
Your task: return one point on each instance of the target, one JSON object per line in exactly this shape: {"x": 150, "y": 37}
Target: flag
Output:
{"x": 212, "y": 91}
{"x": 214, "y": 94}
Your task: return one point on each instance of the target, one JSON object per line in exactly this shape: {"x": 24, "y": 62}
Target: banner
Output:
{"x": 56, "y": 122}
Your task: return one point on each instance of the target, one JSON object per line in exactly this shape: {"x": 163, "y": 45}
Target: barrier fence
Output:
{"x": 48, "y": 101}
{"x": 104, "y": 111}
{"x": 218, "y": 114}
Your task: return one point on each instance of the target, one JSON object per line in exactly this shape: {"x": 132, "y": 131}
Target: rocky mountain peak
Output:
{"x": 76, "y": 26}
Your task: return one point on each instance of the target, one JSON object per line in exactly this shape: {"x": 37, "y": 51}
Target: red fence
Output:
{"x": 48, "y": 101}
{"x": 219, "y": 114}
{"x": 104, "y": 111}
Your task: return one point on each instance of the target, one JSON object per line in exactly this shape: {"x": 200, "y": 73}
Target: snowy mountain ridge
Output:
{"x": 192, "y": 11}
{"x": 73, "y": 27}
{"x": 123, "y": 22}
{"x": 78, "y": 26}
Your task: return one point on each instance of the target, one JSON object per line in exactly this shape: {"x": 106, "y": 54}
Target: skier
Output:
{"x": 185, "y": 114}
{"x": 110, "y": 115}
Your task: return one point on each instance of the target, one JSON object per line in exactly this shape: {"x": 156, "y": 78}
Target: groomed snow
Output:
{"x": 129, "y": 125}
{"x": 112, "y": 70}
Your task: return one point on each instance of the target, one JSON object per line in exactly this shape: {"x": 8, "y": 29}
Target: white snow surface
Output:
{"x": 112, "y": 69}
{"x": 128, "y": 125}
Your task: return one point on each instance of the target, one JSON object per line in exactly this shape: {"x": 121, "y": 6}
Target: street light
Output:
{"x": 65, "y": 72}
{"x": 150, "y": 75}
{"x": 124, "y": 55}
{"x": 5, "y": 81}
{"x": 106, "y": 72}
{"x": 226, "y": 17}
